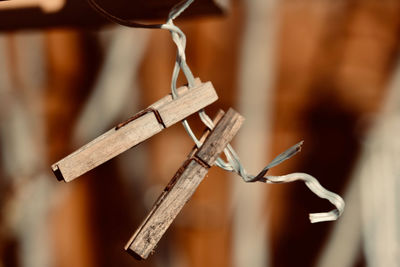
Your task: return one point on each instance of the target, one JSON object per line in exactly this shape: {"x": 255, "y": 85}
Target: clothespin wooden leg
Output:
{"x": 148, "y": 122}
{"x": 183, "y": 185}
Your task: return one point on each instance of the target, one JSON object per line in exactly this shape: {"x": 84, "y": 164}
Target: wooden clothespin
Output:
{"x": 183, "y": 185}
{"x": 143, "y": 125}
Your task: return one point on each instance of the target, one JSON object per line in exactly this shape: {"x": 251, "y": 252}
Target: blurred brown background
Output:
{"x": 316, "y": 70}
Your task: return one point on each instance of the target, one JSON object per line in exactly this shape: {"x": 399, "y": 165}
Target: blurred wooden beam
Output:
{"x": 70, "y": 223}
{"x": 36, "y": 14}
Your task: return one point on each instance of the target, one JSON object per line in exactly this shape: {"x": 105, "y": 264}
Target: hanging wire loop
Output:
{"x": 233, "y": 164}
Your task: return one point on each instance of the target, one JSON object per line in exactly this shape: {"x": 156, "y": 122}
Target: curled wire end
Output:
{"x": 287, "y": 154}
{"x": 317, "y": 189}
{"x": 324, "y": 216}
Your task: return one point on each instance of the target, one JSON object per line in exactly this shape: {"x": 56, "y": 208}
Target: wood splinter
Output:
{"x": 183, "y": 184}
{"x": 154, "y": 119}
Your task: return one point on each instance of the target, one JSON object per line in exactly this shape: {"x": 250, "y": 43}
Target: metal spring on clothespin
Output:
{"x": 233, "y": 164}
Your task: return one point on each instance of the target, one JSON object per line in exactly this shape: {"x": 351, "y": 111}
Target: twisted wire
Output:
{"x": 233, "y": 164}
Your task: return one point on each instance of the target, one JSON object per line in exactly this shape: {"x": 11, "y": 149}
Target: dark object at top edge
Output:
{"x": 78, "y": 14}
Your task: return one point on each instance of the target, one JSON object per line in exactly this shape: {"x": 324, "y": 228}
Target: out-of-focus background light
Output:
{"x": 326, "y": 72}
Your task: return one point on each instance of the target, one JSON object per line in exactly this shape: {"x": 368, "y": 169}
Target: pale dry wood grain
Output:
{"x": 213, "y": 145}
{"x": 163, "y": 195}
{"x": 183, "y": 185}
{"x": 116, "y": 141}
{"x": 181, "y": 90}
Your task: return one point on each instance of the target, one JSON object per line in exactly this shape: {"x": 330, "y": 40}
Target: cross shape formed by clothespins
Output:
{"x": 183, "y": 184}
{"x": 150, "y": 121}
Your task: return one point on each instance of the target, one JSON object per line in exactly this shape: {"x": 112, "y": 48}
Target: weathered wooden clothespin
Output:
{"x": 146, "y": 123}
{"x": 183, "y": 185}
